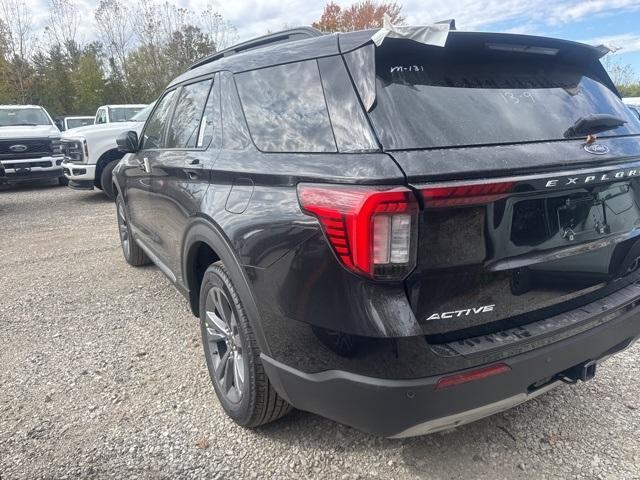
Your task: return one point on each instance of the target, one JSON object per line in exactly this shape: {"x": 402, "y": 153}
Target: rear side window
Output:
{"x": 476, "y": 93}
{"x": 235, "y": 135}
{"x": 350, "y": 126}
{"x": 156, "y": 124}
{"x": 285, "y": 108}
{"x": 185, "y": 125}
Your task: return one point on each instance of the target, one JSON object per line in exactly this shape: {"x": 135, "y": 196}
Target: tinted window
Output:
{"x": 235, "y": 134}
{"x": 349, "y": 122}
{"x": 471, "y": 94}
{"x": 361, "y": 63}
{"x": 154, "y": 129}
{"x": 285, "y": 108}
{"x": 210, "y": 125}
{"x": 183, "y": 132}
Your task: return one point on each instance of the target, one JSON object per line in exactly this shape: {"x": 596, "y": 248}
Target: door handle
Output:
{"x": 144, "y": 165}
{"x": 195, "y": 161}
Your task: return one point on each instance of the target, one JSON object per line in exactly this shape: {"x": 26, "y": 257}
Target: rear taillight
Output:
{"x": 372, "y": 230}
{"x": 455, "y": 195}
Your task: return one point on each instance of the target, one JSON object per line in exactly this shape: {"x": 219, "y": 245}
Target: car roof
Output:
{"x": 632, "y": 101}
{"x": 335, "y": 43}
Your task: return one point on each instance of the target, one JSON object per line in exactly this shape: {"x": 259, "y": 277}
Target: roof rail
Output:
{"x": 284, "y": 36}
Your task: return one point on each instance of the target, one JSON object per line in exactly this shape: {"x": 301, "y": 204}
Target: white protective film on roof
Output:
{"x": 435, "y": 34}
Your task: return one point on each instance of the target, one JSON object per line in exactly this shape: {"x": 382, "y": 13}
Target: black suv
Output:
{"x": 402, "y": 238}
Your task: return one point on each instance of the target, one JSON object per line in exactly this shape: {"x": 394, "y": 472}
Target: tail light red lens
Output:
{"x": 372, "y": 230}
{"x": 465, "y": 194}
{"x": 473, "y": 375}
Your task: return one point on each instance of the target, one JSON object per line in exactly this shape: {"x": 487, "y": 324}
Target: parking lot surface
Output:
{"x": 102, "y": 375}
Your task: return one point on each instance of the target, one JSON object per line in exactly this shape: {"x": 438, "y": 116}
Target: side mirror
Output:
{"x": 127, "y": 142}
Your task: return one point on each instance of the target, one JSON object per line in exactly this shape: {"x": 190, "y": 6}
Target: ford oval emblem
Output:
{"x": 18, "y": 148}
{"x": 596, "y": 149}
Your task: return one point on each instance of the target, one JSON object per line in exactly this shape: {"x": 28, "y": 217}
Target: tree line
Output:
{"x": 138, "y": 49}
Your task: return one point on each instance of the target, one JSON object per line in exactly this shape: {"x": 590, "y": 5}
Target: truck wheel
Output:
{"x": 233, "y": 355}
{"x": 133, "y": 254}
{"x": 64, "y": 181}
{"x": 106, "y": 179}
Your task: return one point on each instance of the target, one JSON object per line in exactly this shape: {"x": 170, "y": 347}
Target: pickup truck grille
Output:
{"x": 19, "y": 149}
{"x": 42, "y": 164}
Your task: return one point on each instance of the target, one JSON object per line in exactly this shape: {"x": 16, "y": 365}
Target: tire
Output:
{"x": 64, "y": 181}
{"x": 133, "y": 254}
{"x": 253, "y": 402}
{"x": 106, "y": 179}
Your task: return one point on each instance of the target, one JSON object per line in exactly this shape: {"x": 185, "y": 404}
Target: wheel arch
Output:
{"x": 205, "y": 244}
{"x": 107, "y": 157}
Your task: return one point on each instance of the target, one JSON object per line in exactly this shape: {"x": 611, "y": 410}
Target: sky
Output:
{"x": 615, "y": 23}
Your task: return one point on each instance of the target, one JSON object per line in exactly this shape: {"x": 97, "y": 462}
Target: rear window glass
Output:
{"x": 429, "y": 97}
{"x": 123, "y": 114}
{"x": 285, "y": 108}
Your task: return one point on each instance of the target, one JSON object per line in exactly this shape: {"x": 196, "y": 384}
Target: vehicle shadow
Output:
{"x": 30, "y": 186}
{"x": 476, "y": 447}
{"x": 95, "y": 197}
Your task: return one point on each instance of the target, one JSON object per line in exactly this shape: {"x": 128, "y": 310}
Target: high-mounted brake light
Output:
{"x": 372, "y": 230}
{"x": 465, "y": 194}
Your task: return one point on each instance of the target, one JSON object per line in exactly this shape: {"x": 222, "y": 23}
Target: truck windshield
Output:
{"x": 23, "y": 116}
{"x": 123, "y": 114}
{"x": 431, "y": 97}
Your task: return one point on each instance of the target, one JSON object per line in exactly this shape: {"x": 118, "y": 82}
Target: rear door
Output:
{"x": 520, "y": 218}
{"x": 138, "y": 170}
{"x": 180, "y": 172}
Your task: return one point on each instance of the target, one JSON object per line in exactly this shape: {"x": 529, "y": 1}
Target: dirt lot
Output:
{"x": 102, "y": 376}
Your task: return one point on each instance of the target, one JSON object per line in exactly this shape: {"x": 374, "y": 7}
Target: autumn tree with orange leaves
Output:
{"x": 359, "y": 16}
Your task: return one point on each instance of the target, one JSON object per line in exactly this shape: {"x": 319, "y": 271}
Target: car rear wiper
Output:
{"x": 592, "y": 124}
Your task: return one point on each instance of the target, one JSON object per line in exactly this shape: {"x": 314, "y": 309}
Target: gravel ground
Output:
{"x": 102, "y": 376}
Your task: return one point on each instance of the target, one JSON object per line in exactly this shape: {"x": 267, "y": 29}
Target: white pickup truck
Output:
{"x": 29, "y": 144}
{"x": 91, "y": 153}
{"x": 633, "y": 103}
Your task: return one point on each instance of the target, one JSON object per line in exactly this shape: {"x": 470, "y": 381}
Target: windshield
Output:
{"x": 78, "y": 122}
{"x": 123, "y": 114}
{"x": 430, "y": 97}
{"x": 23, "y": 116}
{"x": 143, "y": 114}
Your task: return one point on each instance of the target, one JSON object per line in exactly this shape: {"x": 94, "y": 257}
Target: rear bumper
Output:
{"x": 401, "y": 408}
